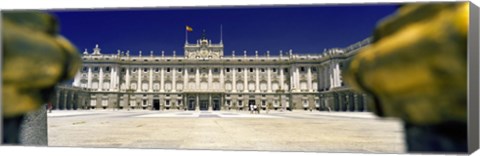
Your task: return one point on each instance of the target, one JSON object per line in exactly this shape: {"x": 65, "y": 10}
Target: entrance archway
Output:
{"x": 156, "y": 104}
{"x": 191, "y": 103}
{"x": 203, "y": 105}
{"x": 250, "y": 102}
{"x": 216, "y": 104}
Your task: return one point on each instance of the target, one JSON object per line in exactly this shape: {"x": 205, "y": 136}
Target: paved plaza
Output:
{"x": 227, "y": 130}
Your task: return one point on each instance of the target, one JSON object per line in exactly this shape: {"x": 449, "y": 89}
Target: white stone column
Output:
{"x": 197, "y": 102}
{"x": 309, "y": 79}
{"x": 234, "y": 80}
{"x": 89, "y": 78}
{"x": 337, "y": 75}
{"x": 197, "y": 79}
{"x": 117, "y": 78}
{"x": 222, "y": 79}
{"x": 269, "y": 80}
{"x": 292, "y": 79}
{"x": 139, "y": 79}
{"x": 297, "y": 79}
{"x": 209, "y": 77}
{"x": 332, "y": 76}
{"x": 127, "y": 79}
{"x": 245, "y": 80}
{"x": 112, "y": 79}
{"x": 174, "y": 79}
{"x": 282, "y": 79}
{"x": 162, "y": 80}
{"x": 257, "y": 81}
{"x": 210, "y": 102}
{"x": 150, "y": 80}
{"x": 319, "y": 83}
{"x": 100, "y": 83}
{"x": 185, "y": 80}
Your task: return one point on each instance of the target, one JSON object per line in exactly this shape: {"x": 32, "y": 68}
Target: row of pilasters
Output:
{"x": 114, "y": 78}
{"x": 67, "y": 100}
{"x": 344, "y": 102}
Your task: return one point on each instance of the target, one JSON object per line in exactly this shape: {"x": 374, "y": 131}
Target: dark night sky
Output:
{"x": 305, "y": 29}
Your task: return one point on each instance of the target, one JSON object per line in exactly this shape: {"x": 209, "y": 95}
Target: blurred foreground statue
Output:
{"x": 35, "y": 58}
{"x": 416, "y": 70}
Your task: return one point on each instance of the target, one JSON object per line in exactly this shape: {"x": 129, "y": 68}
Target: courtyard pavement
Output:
{"x": 227, "y": 130}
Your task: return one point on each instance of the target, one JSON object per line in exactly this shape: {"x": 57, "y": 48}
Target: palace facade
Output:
{"x": 204, "y": 78}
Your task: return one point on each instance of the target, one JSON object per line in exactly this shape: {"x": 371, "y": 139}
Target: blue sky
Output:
{"x": 305, "y": 29}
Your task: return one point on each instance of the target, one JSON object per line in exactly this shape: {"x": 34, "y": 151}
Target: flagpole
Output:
{"x": 186, "y": 35}
{"x": 221, "y": 34}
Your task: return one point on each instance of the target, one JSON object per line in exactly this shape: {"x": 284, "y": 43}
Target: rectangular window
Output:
{"x": 228, "y": 70}
{"x": 104, "y": 102}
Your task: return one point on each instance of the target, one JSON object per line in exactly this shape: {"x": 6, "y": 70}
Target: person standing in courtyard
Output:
{"x": 250, "y": 107}
{"x": 49, "y": 107}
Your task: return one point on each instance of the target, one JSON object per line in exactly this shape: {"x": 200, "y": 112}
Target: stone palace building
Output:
{"x": 206, "y": 78}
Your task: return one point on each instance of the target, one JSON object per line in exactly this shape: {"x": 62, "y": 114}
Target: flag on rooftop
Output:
{"x": 189, "y": 29}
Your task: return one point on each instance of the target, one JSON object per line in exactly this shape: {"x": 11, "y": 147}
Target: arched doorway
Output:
{"x": 156, "y": 104}
{"x": 204, "y": 103}
{"x": 216, "y": 103}
{"x": 191, "y": 102}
